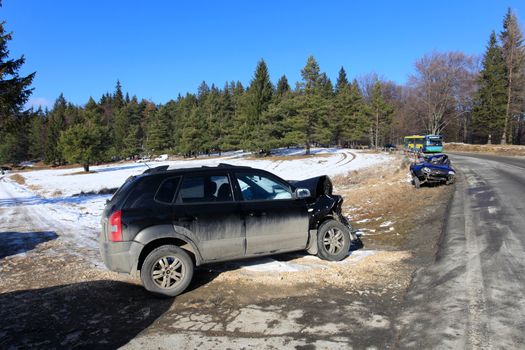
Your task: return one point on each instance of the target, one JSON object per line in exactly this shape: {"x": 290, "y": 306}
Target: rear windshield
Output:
{"x": 143, "y": 192}
{"x": 122, "y": 189}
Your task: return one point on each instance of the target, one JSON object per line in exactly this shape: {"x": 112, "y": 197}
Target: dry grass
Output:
{"x": 380, "y": 195}
{"x": 80, "y": 173}
{"x": 34, "y": 188}
{"x": 19, "y": 179}
{"x": 507, "y": 150}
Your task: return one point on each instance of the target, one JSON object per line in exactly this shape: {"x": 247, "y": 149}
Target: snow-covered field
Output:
{"x": 50, "y": 197}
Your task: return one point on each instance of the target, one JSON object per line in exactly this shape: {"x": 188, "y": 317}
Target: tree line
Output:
{"x": 449, "y": 93}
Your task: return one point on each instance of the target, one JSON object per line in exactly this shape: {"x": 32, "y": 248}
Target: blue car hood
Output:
{"x": 433, "y": 166}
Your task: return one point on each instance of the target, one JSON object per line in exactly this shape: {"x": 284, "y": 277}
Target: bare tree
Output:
{"x": 441, "y": 89}
{"x": 514, "y": 55}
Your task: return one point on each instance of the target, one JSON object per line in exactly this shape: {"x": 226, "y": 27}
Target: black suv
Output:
{"x": 163, "y": 223}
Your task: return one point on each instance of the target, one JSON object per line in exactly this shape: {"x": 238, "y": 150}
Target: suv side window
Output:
{"x": 256, "y": 187}
{"x": 167, "y": 189}
{"x": 205, "y": 188}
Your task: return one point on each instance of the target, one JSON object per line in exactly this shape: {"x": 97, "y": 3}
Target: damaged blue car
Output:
{"x": 432, "y": 169}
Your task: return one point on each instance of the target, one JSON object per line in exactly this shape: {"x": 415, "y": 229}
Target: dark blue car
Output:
{"x": 433, "y": 168}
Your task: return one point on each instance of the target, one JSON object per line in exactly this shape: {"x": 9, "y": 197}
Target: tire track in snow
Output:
{"x": 351, "y": 155}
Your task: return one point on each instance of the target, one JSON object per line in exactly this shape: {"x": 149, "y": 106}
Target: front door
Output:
{"x": 205, "y": 206}
{"x": 275, "y": 221}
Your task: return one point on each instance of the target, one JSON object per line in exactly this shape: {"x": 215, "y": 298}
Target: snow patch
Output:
{"x": 386, "y": 224}
{"x": 493, "y": 210}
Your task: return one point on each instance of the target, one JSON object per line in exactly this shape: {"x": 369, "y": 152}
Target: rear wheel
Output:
{"x": 167, "y": 270}
{"x": 333, "y": 241}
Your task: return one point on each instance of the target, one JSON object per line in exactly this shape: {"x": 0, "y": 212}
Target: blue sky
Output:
{"x": 159, "y": 49}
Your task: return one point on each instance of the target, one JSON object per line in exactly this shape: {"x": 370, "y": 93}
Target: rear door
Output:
{"x": 206, "y": 207}
{"x": 274, "y": 220}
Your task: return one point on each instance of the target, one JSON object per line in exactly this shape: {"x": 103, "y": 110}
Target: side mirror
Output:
{"x": 302, "y": 193}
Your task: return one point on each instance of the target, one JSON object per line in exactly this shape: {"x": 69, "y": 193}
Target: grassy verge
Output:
{"x": 19, "y": 179}
{"x": 504, "y": 150}
{"x": 385, "y": 205}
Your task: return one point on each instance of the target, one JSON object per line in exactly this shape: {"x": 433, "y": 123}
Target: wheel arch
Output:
{"x": 311, "y": 247}
{"x": 156, "y": 236}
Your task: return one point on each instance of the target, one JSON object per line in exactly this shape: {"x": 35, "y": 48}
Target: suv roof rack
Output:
{"x": 156, "y": 169}
{"x": 225, "y": 165}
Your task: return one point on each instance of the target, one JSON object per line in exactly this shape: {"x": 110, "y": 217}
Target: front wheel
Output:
{"x": 417, "y": 182}
{"x": 167, "y": 270}
{"x": 333, "y": 241}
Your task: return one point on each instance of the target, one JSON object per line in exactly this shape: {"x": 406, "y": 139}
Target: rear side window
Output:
{"x": 143, "y": 193}
{"x": 167, "y": 189}
{"x": 205, "y": 188}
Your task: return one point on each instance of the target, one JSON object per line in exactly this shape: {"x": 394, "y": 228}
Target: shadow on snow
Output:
{"x": 37, "y": 200}
{"x": 12, "y": 243}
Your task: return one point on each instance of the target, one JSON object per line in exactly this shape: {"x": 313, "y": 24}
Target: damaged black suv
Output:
{"x": 163, "y": 223}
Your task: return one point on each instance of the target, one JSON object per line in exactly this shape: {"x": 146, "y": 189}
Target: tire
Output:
{"x": 167, "y": 270}
{"x": 417, "y": 183}
{"x": 333, "y": 241}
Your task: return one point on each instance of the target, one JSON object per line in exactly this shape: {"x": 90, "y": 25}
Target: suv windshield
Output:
{"x": 257, "y": 187}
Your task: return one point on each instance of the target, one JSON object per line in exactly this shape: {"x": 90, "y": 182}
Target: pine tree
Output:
{"x": 311, "y": 75}
{"x": 84, "y": 143}
{"x": 308, "y": 120}
{"x": 191, "y": 141}
{"x": 350, "y": 121}
{"x": 381, "y": 113}
{"x": 126, "y": 131}
{"x": 118, "y": 97}
{"x": 253, "y": 104}
{"x": 282, "y": 86}
{"x": 491, "y": 97}
{"x": 38, "y": 134}
{"x": 14, "y": 93}
{"x": 342, "y": 81}
{"x": 56, "y": 124}
{"x": 514, "y": 55}
{"x": 325, "y": 86}
{"x": 159, "y": 132}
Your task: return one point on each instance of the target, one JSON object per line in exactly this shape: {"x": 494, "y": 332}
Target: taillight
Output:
{"x": 115, "y": 222}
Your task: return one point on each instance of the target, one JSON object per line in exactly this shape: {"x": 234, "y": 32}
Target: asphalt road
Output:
{"x": 473, "y": 296}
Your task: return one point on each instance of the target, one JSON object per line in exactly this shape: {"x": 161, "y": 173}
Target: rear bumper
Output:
{"x": 120, "y": 256}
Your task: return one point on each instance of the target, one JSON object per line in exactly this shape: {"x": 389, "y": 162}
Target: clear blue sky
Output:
{"x": 161, "y": 48}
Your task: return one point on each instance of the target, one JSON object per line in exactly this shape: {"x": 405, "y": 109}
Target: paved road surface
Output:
{"x": 474, "y": 295}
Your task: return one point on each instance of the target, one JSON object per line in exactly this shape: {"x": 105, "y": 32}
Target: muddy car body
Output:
{"x": 164, "y": 222}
